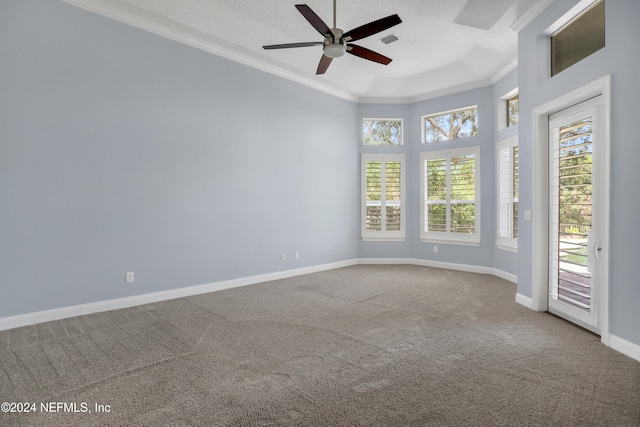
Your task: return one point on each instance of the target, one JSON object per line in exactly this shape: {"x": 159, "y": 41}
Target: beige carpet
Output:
{"x": 358, "y": 346}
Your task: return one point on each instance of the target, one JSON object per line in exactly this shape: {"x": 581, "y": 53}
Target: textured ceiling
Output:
{"x": 443, "y": 46}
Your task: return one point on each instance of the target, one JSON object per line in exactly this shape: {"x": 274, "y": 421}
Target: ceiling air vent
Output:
{"x": 389, "y": 39}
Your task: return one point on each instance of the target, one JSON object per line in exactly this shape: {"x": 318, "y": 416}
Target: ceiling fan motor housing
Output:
{"x": 334, "y": 47}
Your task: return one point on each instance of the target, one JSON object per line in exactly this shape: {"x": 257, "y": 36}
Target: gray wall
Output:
{"x": 504, "y": 260}
{"x": 124, "y": 151}
{"x": 473, "y": 255}
{"x": 620, "y": 59}
{"x": 412, "y": 247}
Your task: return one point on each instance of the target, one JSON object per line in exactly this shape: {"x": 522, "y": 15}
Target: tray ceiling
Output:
{"x": 443, "y": 46}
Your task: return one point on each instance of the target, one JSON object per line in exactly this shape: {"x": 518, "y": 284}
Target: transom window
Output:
{"x": 382, "y": 131}
{"x": 450, "y": 189}
{"x": 513, "y": 108}
{"x": 450, "y": 125}
{"x": 578, "y": 39}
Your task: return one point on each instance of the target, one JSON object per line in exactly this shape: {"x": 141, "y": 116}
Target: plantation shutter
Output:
{"x": 505, "y": 182}
{"x": 463, "y": 195}
{"x": 450, "y": 195}
{"x": 374, "y": 196}
{"x": 570, "y": 214}
{"x": 435, "y": 176}
{"x": 393, "y": 220}
{"x": 383, "y": 205}
{"x": 507, "y": 194}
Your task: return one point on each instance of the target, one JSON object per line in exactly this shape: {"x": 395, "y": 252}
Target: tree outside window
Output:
{"x": 382, "y": 131}
{"x": 450, "y": 125}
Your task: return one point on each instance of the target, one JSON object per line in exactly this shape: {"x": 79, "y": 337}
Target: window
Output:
{"x": 508, "y": 194}
{"x": 382, "y": 131}
{"x": 512, "y": 110}
{"x": 450, "y": 208}
{"x": 449, "y": 125}
{"x": 578, "y": 39}
{"x": 508, "y": 109}
{"x": 383, "y": 197}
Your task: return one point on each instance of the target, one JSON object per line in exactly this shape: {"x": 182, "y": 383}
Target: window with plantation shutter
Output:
{"x": 507, "y": 162}
{"x": 383, "y": 197}
{"x": 450, "y": 208}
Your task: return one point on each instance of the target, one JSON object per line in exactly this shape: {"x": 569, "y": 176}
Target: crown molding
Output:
{"x": 180, "y": 37}
{"x": 427, "y": 95}
{"x": 530, "y": 15}
{"x": 95, "y": 6}
{"x": 504, "y": 71}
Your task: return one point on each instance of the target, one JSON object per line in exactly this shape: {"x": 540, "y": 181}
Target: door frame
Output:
{"x": 540, "y": 206}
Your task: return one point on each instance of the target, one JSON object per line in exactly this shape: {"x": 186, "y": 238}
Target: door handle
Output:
{"x": 597, "y": 249}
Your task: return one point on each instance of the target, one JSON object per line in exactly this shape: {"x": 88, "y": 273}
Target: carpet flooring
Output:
{"x": 357, "y": 346}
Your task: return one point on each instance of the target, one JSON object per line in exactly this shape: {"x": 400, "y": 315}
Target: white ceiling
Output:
{"x": 444, "y": 45}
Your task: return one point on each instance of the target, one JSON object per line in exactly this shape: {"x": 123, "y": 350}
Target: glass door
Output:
{"x": 574, "y": 248}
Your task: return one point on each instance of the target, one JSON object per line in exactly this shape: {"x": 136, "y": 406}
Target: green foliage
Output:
{"x": 382, "y": 132}
{"x": 390, "y": 202}
{"x": 462, "y": 191}
{"x": 458, "y": 124}
{"x": 513, "y": 107}
{"x": 575, "y": 178}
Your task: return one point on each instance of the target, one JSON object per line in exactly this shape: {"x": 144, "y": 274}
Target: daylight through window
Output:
{"x": 383, "y": 197}
{"x": 450, "y": 196}
{"x": 513, "y": 107}
{"x": 450, "y": 125}
{"x": 382, "y": 131}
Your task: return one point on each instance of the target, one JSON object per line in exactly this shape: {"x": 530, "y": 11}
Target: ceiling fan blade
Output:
{"x": 365, "y": 53}
{"x": 371, "y": 28}
{"x": 314, "y": 20}
{"x": 290, "y": 45}
{"x": 325, "y": 61}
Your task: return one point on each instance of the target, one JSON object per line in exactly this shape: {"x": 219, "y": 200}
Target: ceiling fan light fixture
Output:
{"x": 334, "y": 50}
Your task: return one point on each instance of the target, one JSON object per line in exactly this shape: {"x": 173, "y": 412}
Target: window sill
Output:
{"x": 383, "y": 239}
{"x": 450, "y": 242}
{"x": 507, "y": 248}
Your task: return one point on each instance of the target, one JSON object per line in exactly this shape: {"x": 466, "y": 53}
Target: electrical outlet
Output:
{"x": 527, "y": 215}
{"x": 296, "y": 255}
{"x": 435, "y": 249}
{"x": 129, "y": 277}
{"x": 283, "y": 257}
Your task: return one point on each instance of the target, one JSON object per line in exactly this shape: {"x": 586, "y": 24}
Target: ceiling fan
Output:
{"x": 337, "y": 42}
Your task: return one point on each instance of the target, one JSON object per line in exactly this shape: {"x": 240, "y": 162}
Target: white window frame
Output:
{"x": 382, "y": 235}
{"x": 401, "y": 143}
{"x": 505, "y": 242}
{"x": 448, "y": 236}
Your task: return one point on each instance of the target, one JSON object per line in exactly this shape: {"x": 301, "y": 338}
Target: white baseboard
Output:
{"x": 524, "y": 300}
{"x": 625, "y": 347}
{"x": 132, "y": 301}
{"x": 439, "y": 264}
{"x": 619, "y": 344}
